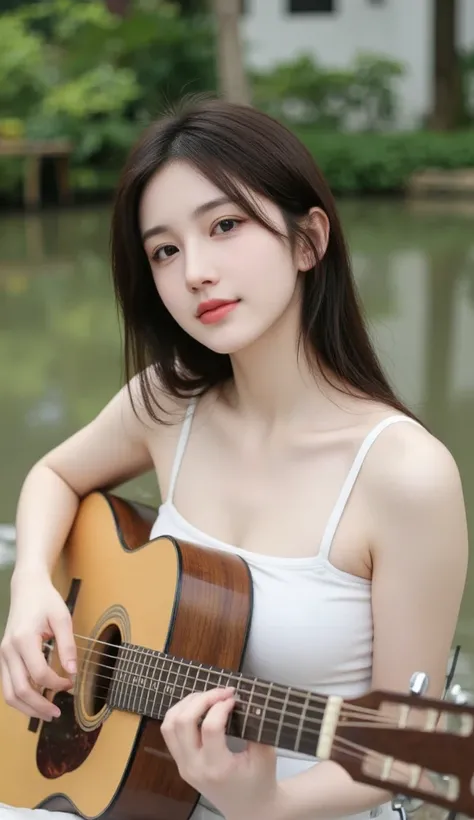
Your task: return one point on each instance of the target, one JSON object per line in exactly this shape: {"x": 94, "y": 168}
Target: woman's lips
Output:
{"x": 215, "y": 314}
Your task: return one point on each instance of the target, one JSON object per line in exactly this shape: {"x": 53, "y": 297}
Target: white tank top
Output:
{"x": 311, "y": 622}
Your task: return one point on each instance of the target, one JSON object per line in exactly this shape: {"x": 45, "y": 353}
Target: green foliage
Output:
{"x": 303, "y": 91}
{"x": 383, "y": 163}
{"x": 74, "y": 70}
{"x": 22, "y": 73}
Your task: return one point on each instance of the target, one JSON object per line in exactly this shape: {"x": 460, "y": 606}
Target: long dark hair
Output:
{"x": 240, "y": 150}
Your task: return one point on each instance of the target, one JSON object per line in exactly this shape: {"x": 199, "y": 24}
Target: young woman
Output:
{"x": 254, "y": 392}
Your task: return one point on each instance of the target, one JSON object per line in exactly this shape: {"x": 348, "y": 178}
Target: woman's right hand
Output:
{"x": 37, "y": 613}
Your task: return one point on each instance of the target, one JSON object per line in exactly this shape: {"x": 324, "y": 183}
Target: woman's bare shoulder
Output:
{"x": 119, "y": 443}
{"x": 414, "y": 489}
{"x": 410, "y": 462}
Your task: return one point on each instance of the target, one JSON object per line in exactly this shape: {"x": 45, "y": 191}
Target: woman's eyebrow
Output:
{"x": 199, "y": 211}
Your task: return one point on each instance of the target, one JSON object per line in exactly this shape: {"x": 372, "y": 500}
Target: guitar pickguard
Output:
{"x": 63, "y": 745}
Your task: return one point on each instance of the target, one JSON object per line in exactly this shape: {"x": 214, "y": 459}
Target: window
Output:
{"x": 296, "y": 6}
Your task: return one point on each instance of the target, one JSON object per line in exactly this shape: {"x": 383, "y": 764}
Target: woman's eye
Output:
{"x": 227, "y": 225}
{"x": 164, "y": 253}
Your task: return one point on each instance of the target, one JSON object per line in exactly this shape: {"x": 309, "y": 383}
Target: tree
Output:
{"x": 447, "y": 89}
{"x": 231, "y": 71}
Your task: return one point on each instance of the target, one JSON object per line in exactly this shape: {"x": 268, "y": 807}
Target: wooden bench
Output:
{"x": 33, "y": 152}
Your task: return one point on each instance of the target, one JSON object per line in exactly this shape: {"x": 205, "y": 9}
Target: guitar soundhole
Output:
{"x": 95, "y": 677}
{"x": 99, "y": 670}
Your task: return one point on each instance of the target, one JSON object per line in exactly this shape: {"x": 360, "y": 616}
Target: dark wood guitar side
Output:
{"x": 216, "y": 600}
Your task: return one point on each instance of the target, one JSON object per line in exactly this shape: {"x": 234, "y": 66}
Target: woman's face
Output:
{"x": 224, "y": 277}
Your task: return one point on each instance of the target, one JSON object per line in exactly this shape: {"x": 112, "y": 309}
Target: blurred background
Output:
{"x": 381, "y": 91}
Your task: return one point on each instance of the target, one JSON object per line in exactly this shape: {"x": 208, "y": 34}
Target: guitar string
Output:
{"x": 361, "y": 753}
{"x": 398, "y": 767}
{"x": 353, "y": 749}
{"x": 346, "y": 709}
{"x": 176, "y": 684}
{"x": 224, "y": 673}
{"x": 138, "y": 695}
{"x": 145, "y": 655}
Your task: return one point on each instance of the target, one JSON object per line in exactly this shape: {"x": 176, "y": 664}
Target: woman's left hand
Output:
{"x": 241, "y": 786}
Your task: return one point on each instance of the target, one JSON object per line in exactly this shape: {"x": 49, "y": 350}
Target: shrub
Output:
{"x": 384, "y": 163}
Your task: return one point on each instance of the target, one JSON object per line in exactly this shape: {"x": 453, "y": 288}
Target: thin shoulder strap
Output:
{"x": 351, "y": 479}
{"x": 182, "y": 441}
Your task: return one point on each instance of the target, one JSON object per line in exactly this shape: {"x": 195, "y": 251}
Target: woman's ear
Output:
{"x": 316, "y": 224}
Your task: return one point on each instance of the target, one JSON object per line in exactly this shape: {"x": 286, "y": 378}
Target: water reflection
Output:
{"x": 60, "y": 341}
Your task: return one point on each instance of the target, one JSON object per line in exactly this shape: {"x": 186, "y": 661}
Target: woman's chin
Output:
{"x": 229, "y": 344}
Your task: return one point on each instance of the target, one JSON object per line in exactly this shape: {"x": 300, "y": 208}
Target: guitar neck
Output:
{"x": 149, "y": 683}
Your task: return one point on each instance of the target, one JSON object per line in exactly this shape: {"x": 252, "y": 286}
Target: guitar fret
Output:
{"x": 261, "y": 722}
{"x": 145, "y": 682}
{"x": 159, "y": 664}
{"x": 166, "y": 688}
{"x": 249, "y": 707}
{"x": 294, "y": 724}
{"x": 134, "y": 665}
{"x": 123, "y": 699}
{"x": 112, "y": 693}
{"x": 121, "y": 678}
{"x": 172, "y": 681}
{"x": 242, "y": 718}
{"x": 137, "y": 679}
{"x": 237, "y": 683}
{"x": 177, "y": 671}
{"x": 185, "y": 679}
{"x": 281, "y": 719}
{"x": 213, "y": 679}
{"x": 264, "y": 713}
{"x": 131, "y": 661}
{"x": 117, "y": 679}
{"x": 301, "y": 721}
{"x": 152, "y": 683}
{"x": 196, "y": 679}
{"x": 125, "y": 677}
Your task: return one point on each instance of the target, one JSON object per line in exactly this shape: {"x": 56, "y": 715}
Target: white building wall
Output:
{"x": 402, "y": 29}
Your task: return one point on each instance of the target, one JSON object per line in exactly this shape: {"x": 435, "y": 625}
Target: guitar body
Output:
{"x": 122, "y": 587}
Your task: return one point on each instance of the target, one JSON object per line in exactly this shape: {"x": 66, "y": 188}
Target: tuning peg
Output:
{"x": 457, "y": 695}
{"x": 419, "y": 683}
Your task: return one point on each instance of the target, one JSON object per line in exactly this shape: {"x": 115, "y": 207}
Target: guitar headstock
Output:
{"x": 417, "y": 746}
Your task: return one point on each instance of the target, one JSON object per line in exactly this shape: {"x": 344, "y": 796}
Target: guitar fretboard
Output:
{"x": 148, "y": 683}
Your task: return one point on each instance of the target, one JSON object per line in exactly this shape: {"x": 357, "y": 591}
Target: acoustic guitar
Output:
{"x": 155, "y": 620}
